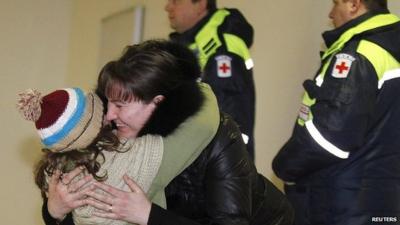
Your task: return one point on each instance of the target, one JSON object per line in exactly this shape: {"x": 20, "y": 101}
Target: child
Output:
{"x": 69, "y": 123}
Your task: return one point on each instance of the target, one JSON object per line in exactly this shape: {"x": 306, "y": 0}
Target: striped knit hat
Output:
{"x": 66, "y": 119}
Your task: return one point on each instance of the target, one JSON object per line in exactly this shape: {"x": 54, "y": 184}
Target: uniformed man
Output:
{"x": 221, "y": 38}
{"x": 341, "y": 164}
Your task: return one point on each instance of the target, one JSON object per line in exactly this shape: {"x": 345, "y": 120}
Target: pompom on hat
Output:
{"x": 66, "y": 119}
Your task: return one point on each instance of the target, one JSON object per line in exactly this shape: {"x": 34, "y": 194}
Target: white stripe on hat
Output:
{"x": 65, "y": 116}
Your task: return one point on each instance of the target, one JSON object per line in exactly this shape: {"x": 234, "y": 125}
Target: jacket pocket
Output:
{"x": 332, "y": 92}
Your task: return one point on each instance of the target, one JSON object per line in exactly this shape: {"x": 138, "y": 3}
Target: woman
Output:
{"x": 69, "y": 123}
{"x": 152, "y": 89}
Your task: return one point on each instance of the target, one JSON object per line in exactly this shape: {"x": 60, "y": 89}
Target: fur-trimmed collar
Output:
{"x": 179, "y": 104}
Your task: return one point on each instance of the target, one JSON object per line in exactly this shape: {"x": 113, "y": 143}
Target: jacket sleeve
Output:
{"x": 48, "y": 220}
{"x": 340, "y": 119}
{"x": 233, "y": 86}
{"x": 161, "y": 216}
{"x": 228, "y": 180}
{"x": 227, "y": 188}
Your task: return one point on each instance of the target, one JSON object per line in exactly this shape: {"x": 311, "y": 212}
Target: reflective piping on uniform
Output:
{"x": 316, "y": 135}
{"x": 245, "y": 138}
{"x": 249, "y": 64}
{"x": 372, "y": 23}
{"x": 207, "y": 40}
{"x": 319, "y": 80}
{"x": 307, "y": 100}
{"x": 388, "y": 75}
{"x": 236, "y": 45}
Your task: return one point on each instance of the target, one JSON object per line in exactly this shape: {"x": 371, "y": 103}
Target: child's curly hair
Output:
{"x": 90, "y": 158}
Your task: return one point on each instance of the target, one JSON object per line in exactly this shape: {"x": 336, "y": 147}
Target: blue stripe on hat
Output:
{"x": 72, "y": 122}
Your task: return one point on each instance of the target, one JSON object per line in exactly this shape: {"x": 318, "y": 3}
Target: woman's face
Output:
{"x": 129, "y": 117}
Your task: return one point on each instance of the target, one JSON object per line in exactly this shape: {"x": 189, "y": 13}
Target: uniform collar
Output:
{"x": 332, "y": 35}
{"x": 188, "y": 36}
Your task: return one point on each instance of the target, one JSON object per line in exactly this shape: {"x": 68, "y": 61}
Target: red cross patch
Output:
{"x": 342, "y": 65}
{"x": 224, "y": 68}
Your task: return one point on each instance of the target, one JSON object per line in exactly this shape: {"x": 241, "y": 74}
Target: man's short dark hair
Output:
{"x": 211, "y": 4}
{"x": 375, "y": 5}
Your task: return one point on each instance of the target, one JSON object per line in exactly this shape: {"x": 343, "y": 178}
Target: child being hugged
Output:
{"x": 71, "y": 127}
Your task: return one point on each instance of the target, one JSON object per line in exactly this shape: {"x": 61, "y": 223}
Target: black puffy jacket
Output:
{"x": 222, "y": 186}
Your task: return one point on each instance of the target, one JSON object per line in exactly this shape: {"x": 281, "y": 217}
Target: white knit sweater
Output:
{"x": 141, "y": 162}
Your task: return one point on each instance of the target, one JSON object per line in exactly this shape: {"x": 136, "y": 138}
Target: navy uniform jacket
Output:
{"x": 341, "y": 164}
{"x": 226, "y": 72}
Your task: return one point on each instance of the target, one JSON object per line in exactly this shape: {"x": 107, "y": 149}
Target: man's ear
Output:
{"x": 158, "y": 99}
{"x": 201, "y": 6}
{"x": 357, "y": 7}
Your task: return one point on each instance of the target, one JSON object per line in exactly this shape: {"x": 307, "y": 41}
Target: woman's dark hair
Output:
{"x": 67, "y": 161}
{"x": 155, "y": 67}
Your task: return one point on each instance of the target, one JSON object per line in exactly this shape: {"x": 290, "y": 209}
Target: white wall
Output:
{"x": 33, "y": 53}
{"x": 86, "y": 27}
{"x": 48, "y": 44}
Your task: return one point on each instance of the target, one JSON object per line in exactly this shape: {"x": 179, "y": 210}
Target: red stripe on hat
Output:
{"x": 53, "y": 105}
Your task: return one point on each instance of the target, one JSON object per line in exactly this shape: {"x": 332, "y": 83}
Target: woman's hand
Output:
{"x": 64, "y": 194}
{"x": 132, "y": 206}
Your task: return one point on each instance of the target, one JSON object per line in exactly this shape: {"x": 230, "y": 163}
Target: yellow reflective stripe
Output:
{"x": 325, "y": 144}
{"x": 384, "y": 63}
{"x": 307, "y": 100}
{"x": 321, "y": 76}
{"x": 192, "y": 46}
{"x": 236, "y": 45}
{"x": 373, "y": 22}
{"x": 207, "y": 40}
